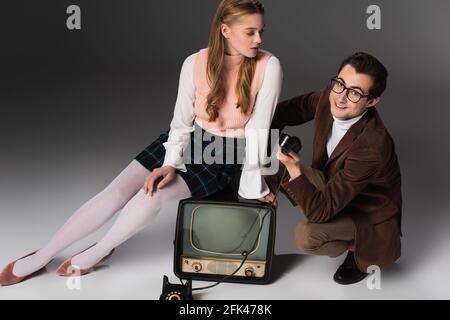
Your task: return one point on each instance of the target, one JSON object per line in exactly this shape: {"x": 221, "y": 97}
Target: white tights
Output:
{"x": 126, "y": 192}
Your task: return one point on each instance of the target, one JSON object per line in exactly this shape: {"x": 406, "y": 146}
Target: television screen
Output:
{"x": 212, "y": 237}
{"x": 223, "y": 230}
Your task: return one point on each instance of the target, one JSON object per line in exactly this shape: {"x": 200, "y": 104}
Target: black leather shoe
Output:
{"x": 348, "y": 272}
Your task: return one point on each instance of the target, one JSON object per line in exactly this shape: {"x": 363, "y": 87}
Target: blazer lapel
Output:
{"x": 323, "y": 123}
{"x": 349, "y": 137}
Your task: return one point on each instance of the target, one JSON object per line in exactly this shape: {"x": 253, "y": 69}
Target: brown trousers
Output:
{"x": 332, "y": 238}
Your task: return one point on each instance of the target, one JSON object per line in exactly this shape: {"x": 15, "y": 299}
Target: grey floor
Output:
{"x": 76, "y": 106}
{"x": 136, "y": 269}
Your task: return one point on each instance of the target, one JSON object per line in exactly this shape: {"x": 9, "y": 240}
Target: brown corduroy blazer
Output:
{"x": 362, "y": 178}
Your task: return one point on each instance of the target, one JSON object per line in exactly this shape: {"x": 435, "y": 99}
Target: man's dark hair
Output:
{"x": 368, "y": 64}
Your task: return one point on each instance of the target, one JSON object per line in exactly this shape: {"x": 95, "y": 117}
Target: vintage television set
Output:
{"x": 213, "y": 236}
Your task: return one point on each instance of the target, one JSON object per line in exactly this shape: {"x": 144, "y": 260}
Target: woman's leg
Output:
{"x": 89, "y": 217}
{"x": 136, "y": 214}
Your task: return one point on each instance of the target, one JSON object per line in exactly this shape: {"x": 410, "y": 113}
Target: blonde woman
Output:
{"x": 227, "y": 91}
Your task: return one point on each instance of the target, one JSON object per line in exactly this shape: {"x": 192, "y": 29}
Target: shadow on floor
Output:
{"x": 284, "y": 263}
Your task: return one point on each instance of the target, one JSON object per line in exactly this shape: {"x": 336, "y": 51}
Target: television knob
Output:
{"x": 249, "y": 272}
{"x": 197, "y": 266}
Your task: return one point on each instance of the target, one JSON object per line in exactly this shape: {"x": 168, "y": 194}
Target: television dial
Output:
{"x": 249, "y": 272}
{"x": 197, "y": 266}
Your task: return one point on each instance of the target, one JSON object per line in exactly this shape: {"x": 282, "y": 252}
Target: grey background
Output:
{"x": 77, "y": 106}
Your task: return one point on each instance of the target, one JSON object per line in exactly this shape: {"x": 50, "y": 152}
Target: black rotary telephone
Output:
{"x": 172, "y": 291}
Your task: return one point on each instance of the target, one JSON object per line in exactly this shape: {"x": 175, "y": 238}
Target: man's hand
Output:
{"x": 291, "y": 162}
{"x": 269, "y": 199}
{"x": 166, "y": 173}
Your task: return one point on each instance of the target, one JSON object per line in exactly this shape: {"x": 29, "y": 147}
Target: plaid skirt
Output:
{"x": 207, "y": 173}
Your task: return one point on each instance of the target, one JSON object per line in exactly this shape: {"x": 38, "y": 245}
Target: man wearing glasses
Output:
{"x": 351, "y": 195}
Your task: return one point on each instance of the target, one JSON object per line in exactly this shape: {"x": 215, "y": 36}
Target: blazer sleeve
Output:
{"x": 296, "y": 111}
{"x": 292, "y": 112}
{"x": 319, "y": 206}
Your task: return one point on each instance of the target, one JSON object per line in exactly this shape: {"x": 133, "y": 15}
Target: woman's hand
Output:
{"x": 291, "y": 162}
{"x": 269, "y": 199}
{"x": 166, "y": 173}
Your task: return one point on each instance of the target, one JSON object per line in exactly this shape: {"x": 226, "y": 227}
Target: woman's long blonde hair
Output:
{"x": 227, "y": 12}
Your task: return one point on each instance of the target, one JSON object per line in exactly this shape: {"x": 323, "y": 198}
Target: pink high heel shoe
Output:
{"x": 66, "y": 269}
{"x": 7, "y": 277}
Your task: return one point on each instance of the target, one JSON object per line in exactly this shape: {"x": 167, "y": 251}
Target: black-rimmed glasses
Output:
{"x": 352, "y": 95}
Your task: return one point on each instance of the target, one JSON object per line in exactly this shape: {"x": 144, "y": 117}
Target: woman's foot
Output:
{"x": 30, "y": 264}
{"x": 10, "y": 276}
{"x": 70, "y": 267}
